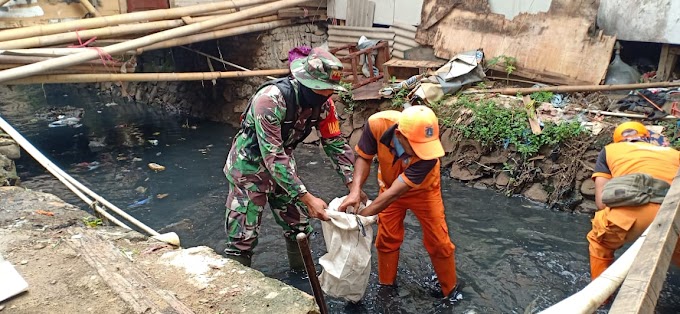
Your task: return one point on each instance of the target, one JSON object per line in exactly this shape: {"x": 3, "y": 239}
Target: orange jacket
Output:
{"x": 380, "y": 128}
{"x": 619, "y": 159}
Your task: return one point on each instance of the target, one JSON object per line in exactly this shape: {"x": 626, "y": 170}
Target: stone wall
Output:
{"x": 220, "y": 100}
{"x": 9, "y": 151}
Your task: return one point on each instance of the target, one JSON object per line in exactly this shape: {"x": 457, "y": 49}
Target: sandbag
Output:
{"x": 347, "y": 263}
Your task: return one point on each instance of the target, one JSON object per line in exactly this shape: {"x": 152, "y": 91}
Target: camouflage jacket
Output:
{"x": 258, "y": 160}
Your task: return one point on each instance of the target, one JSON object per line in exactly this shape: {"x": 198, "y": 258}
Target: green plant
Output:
{"x": 508, "y": 63}
{"x": 399, "y": 98}
{"x": 500, "y": 127}
{"x": 670, "y": 132}
{"x": 346, "y": 97}
{"x": 482, "y": 85}
{"x": 542, "y": 96}
{"x": 92, "y": 222}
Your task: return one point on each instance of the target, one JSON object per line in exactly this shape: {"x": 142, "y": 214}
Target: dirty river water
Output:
{"x": 515, "y": 256}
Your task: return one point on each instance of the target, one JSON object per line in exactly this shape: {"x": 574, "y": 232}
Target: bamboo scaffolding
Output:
{"x": 142, "y": 77}
{"x": 74, "y": 59}
{"x": 88, "y": 6}
{"x": 213, "y": 35}
{"x": 110, "y": 31}
{"x": 97, "y": 22}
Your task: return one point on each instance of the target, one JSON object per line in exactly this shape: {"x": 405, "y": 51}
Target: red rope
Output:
{"x": 103, "y": 55}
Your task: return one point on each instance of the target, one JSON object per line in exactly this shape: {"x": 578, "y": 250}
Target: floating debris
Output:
{"x": 162, "y": 196}
{"x": 153, "y": 142}
{"x": 140, "y": 189}
{"x": 140, "y": 202}
{"x": 156, "y": 167}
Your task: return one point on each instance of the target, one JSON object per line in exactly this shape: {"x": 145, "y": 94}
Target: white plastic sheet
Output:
{"x": 347, "y": 264}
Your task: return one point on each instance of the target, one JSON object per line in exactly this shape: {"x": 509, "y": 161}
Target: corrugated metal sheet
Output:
{"x": 343, "y": 35}
{"x": 386, "y": 11}
{"x": 361, "y": 13}
{"x": 404, "y": 39}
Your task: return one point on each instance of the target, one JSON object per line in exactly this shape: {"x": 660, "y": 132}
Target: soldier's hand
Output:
{"x": 316, "y": 206}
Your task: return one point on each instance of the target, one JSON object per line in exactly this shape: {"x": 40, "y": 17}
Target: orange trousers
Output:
{"x": 612, "y": 228}
{"x": 428, "y": 208}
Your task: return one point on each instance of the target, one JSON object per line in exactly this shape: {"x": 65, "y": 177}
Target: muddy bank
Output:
{"x": 75, "y": 268}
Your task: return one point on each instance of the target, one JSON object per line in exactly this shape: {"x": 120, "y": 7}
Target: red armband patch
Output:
{"x": 330, "y": 127}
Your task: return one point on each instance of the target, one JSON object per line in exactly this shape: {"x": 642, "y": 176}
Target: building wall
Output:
{"x": 641, "y": 20}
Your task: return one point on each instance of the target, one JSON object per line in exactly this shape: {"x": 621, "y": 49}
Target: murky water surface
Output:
{"x": 514, "y": 256}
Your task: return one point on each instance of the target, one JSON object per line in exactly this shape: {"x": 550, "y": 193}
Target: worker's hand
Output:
{"x": 353, "y": 199}
{"x": 364, "y": 198}
{"x": 315, "y": 206}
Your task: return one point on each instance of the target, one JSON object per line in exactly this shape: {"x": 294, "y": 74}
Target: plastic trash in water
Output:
{"x": 63, "y": 122}
{"x": 140, "y": 202}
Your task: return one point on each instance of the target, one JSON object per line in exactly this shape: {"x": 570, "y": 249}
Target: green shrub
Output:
{"x": 494, "y": 126}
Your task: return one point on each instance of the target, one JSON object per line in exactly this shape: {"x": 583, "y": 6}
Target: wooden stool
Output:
{"x": 404, "y": 69}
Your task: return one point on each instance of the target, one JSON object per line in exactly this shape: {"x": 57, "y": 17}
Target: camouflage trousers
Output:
{"x": 244, "y": 215}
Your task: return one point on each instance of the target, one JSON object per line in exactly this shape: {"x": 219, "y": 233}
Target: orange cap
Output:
{"x": 631, "y": 125}
{"x": 421, "y": 127}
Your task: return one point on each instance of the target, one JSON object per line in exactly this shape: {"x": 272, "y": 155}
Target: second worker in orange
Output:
{"x": 408, "y": 149}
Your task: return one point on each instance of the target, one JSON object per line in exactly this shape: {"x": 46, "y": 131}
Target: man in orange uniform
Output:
{"x": 408, "y": 149}
{"x": 630, "y": 153}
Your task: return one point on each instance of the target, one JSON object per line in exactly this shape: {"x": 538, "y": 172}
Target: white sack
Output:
{"x": 347, "y": 264}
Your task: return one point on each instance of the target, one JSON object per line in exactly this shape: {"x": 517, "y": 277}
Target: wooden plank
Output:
{"x": 51, "y": 12}
{"x": 531, "y": 113}
{"x": 129, "y": 282}
{"x": 667, "y": 62}
{"x": 360, "y": 13}
{"x": 12, "y": 282}
{"x": 415, "y": 63}
{"x": 640, "y": 291}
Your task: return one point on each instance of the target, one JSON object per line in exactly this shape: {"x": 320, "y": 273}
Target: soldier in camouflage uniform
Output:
{"x": 261, "y": 169}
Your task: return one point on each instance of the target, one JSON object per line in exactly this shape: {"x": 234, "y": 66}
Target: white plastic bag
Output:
{"x": 347, "y": 264}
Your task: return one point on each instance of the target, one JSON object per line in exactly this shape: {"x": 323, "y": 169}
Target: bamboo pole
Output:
{"x": 3, "y": 2}
{"x": 65, "y": 61}
{"x": 574, "y": 88}
{"x": 109, "y": 31}
{"x": 49, "y": 52}
{"x": 90, "y": 8}
{"x": 92, "y": 68}
{"x": 26, "y": 61}
{"x": 153, "y": 15}
{"x": 142, "y": 77}
{"x": 214, "y": 35}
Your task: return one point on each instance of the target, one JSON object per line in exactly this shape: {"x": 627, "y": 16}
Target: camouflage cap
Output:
{"x": 319, "y": 70}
